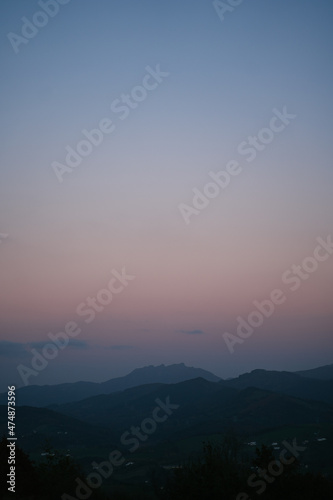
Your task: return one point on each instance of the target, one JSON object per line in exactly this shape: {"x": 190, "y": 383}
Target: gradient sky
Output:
{"x": 120, "y": 206}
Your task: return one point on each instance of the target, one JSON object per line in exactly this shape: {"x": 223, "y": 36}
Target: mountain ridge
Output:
{"x": 313, "y": 384}
{"x": 46, "y": 395}
{"x": 197, "y": 406}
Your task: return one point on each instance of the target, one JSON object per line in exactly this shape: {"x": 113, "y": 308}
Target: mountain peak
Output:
{"x": 169, "y": 374}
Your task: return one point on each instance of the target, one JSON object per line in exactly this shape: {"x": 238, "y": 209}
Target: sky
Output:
{"x": 164, "y": 165}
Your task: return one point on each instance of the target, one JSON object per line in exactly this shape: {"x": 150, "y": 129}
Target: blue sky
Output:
{"x": 120, "y": 206}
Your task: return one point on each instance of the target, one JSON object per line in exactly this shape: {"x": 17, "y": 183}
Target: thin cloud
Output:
{"x": 76, "y": 344}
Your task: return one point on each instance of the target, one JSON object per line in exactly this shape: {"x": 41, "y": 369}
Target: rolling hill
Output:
{"x": 92, "y": 426}
{"x": 321, "y": 373}
{"x": 46, "y": 395}
{"x": 202, "y": 405}
{"x": 36, "y": 427}
{"x": 287, "y": 383}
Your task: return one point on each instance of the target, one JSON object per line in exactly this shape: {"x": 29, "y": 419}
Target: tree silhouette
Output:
{"x": 216, "y": 475}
